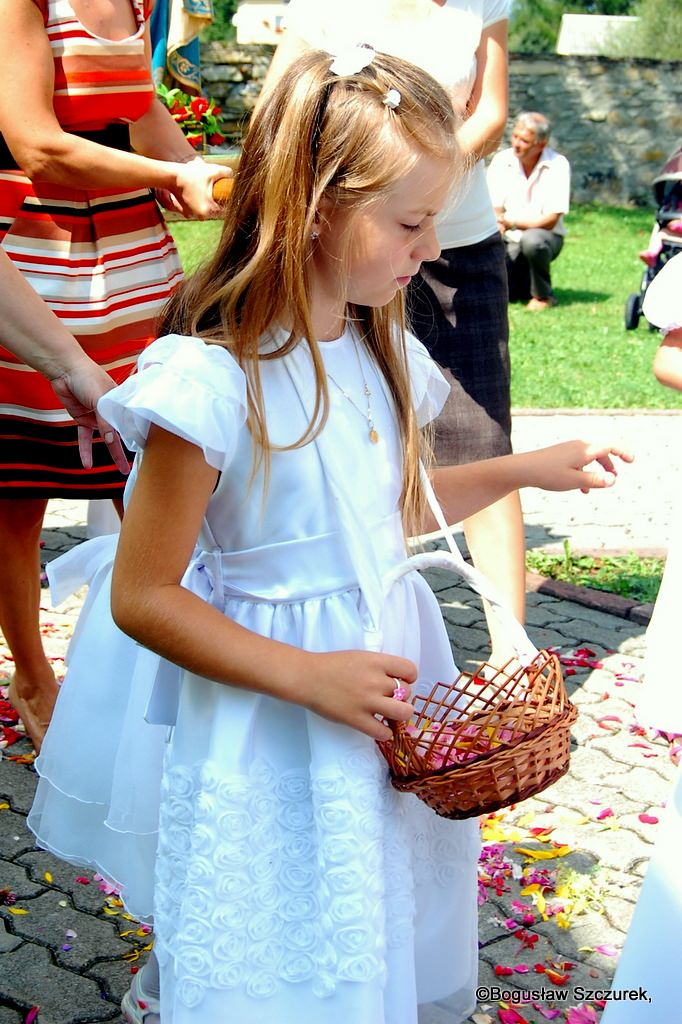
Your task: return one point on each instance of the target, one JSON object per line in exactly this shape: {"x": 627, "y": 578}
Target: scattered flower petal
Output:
{"x": 584, "y": 1014}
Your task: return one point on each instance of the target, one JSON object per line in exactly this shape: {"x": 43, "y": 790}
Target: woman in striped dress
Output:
{"x": 83, "y": 141}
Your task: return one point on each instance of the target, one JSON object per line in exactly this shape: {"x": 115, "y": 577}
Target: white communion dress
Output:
{"x": 651, "y": 956}
{"x": 287, "y": 881}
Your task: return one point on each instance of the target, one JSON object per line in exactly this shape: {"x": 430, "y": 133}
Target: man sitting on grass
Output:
{"x": 530, "y": 189}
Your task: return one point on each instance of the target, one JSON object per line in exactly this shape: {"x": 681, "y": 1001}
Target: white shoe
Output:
{"x": 139, "y": 1008}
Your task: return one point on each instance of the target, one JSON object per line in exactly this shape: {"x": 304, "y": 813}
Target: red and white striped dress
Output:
{"x": 103, "y": 260}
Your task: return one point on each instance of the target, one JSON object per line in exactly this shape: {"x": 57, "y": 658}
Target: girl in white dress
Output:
{"x": 651, "y": 957}
{"x": 277, "y": 427}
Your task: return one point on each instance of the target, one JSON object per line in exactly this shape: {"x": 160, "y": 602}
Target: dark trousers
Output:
{"x": 528, "y": 262}
{"x": 458, "y": 308}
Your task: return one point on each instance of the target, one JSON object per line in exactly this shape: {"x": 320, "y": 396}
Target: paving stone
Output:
{"x": 461, "y": 615}
{"x": 467, "y": 639}
{"x": 14, "y": 837}
{"x": 113, "y": 977}
{"x": 16, "y": 787}
{"x": 454, "y": 595}
{"x": 16, "y": 878}
{"x": 64, "y": 997}
{"x": 642, "y": 613}
{"x": 9, "y": 1016}
{"x": 48, "y": 922}
{"x": 619, "y": 912}
{"x": 87, "y": 898}
{"x": 535, "y": 599}
{"x": 8, "y": 941}
{"x": 582, "y": 633}
{"x": 546, "y": 615}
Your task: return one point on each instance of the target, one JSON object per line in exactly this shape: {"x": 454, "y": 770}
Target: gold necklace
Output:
{"x": 372, "y": 430}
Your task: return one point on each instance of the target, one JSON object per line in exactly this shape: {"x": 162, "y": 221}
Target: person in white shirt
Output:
{"x": 530, "y": 188}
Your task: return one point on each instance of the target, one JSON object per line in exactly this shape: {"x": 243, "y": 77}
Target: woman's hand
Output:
{"x": 79, "y": 390}
{"x": 354, "y": 687}
{"x": 562, "y": 466}
{"x": 193, "y": 192}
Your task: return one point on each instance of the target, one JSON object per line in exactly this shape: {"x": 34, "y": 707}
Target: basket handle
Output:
{"x": 525, "y": 650}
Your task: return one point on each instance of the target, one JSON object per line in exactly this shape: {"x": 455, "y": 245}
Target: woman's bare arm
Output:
{"x": 486, "y": 118}
{"x": 45, "y": 152}
{"x": 32, "y": 331}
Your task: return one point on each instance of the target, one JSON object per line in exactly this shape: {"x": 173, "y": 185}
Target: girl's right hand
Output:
{"x": 354, "y": 687}
{"x": 194, "y": 188}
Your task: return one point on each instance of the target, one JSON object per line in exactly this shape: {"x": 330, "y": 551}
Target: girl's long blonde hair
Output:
{"x": 316, "y": 136}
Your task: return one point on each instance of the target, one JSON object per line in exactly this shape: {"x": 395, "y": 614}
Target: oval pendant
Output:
{"x": 373, "y": 436}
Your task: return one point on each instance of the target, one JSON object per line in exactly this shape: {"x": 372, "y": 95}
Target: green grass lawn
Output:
{"x": 578, "y": 354}
{"x": 195, "y": 240}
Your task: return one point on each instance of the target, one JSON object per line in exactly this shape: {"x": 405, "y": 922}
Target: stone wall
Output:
{"x": 616, "y": 120}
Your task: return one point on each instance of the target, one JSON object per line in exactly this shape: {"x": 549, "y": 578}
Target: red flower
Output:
{"x": 216, "y": 139}
{"x": 179, "y": 113}
{"x": 215, "y": 110}
{"x": 196, "y": 141}
{"x": 199, "y": 106}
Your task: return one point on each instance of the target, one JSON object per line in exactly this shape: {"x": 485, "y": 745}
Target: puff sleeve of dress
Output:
{"x": 194, "y": 390}
{"x": 662, "y": 304}
{"x": 429, "y": 387}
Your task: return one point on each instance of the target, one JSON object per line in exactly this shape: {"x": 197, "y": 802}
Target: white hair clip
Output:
{"x": 392, "y": 99}
{"x": 352, "y": 60}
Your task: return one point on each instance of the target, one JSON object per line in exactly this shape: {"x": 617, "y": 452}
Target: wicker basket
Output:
{"x": 485, "y": 741}
{"x": 491, "y": 737}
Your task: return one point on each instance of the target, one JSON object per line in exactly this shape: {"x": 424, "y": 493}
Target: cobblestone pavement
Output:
{"x": 67, "y": 947}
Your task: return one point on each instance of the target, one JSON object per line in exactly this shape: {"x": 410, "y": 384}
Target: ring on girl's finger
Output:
{"x": 399, "y": 693}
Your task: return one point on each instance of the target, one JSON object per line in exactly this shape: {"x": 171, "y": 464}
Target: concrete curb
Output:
{"x": 600, "y": 600}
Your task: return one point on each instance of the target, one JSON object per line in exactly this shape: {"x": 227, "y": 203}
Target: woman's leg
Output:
{"x": 33, "y": 690}
{"x": 497, "y": 544}
{"x": 459, "y": 310}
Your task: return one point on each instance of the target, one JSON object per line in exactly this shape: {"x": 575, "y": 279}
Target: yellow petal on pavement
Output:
{"x": 561, "y": 851}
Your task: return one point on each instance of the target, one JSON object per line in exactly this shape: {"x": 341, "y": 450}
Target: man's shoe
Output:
{"x": 537, "y": 305}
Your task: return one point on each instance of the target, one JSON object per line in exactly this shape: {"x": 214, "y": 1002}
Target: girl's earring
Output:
{"x": 315, "y": 235}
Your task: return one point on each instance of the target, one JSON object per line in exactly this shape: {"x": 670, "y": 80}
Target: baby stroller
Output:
{"x": 666, "y": 237}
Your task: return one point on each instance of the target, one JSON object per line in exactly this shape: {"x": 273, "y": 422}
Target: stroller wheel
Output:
{"x": 632, "y": 312}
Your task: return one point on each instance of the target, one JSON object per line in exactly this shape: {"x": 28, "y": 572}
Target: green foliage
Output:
{"x": 659, "y": 32}
{"x": 627, "y": 575}
{"x": 221, "y": 27}
{"x": 534, "y": 24}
